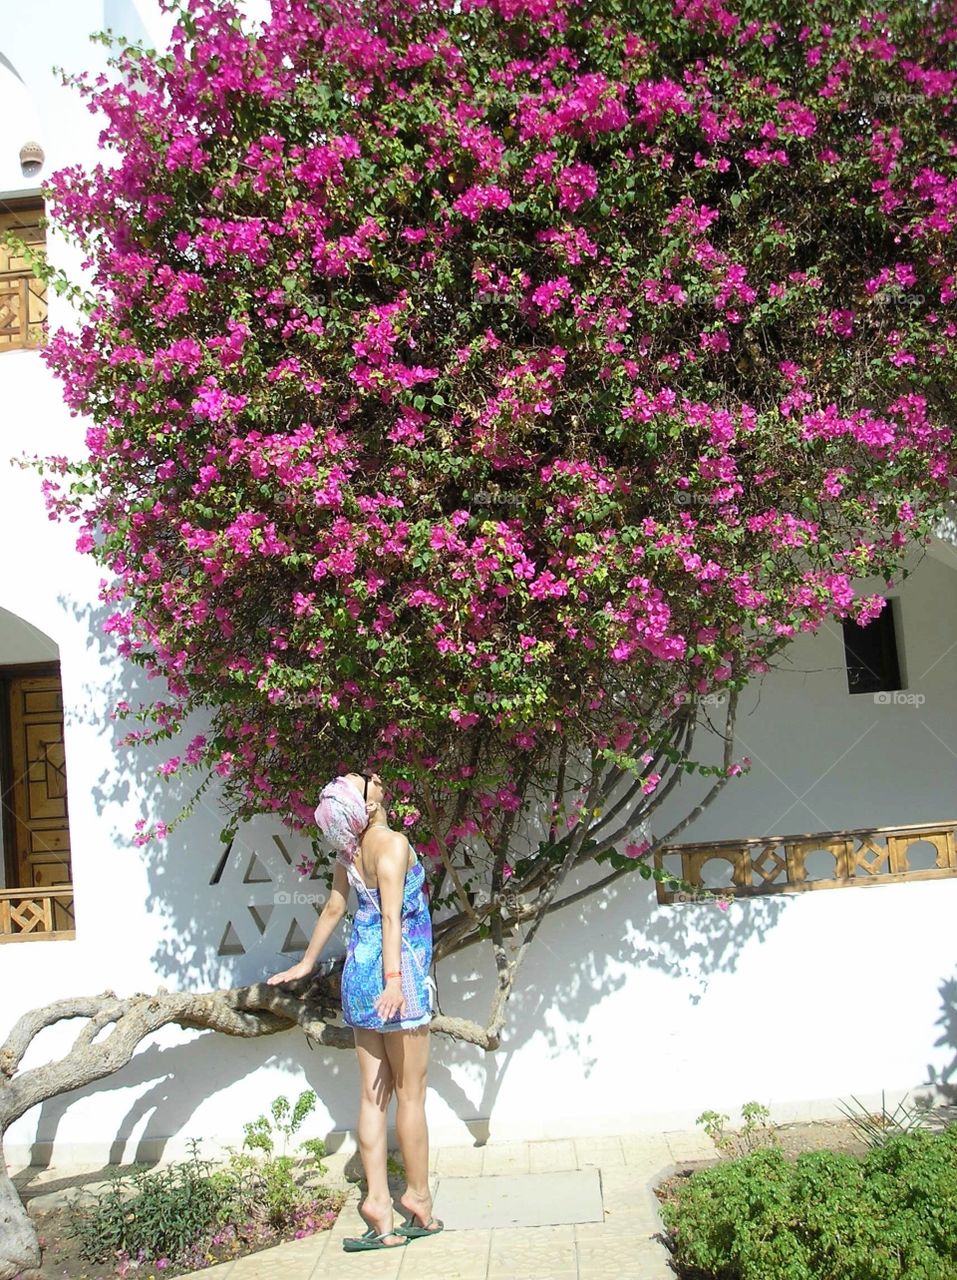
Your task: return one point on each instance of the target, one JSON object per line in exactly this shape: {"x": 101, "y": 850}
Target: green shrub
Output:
{"x": 279, "y": 1191}
{"x": 825, "y": 1216}
{"x": 159, "y": 1213}
{"x": 756, "y": 1131}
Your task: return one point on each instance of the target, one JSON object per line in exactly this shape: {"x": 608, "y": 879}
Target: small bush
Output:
{"x": 825, "y": 1216}
{"x": 165, "y": 1214}
{"x": 279, "y": 1191}
{"x": 755, "y": 1133}
{"x": 155, "y": 1214}
{"x": 875, "y": 1127}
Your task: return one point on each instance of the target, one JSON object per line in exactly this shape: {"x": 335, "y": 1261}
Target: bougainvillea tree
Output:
{"x": 471, "y": 386}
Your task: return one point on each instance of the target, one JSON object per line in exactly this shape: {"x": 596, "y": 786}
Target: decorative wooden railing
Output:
{"x": 23, "y": 301}
{"x": 779, "y": 864}
{"x": 32, "y": 915}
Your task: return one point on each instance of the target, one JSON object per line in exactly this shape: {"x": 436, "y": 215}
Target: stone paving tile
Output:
{"x": 506, "y": 1157}
{"x": 624, "y": 1267}
{"x": 336, "y": 1264}
{"x": 638, "y": 1219}
{"x": 621, "y": 1270}
{"x": 554, "y": 1156}
{"x": 622, "y": 1177}
{"x": 294, "y": 1260}
{"x": 645, "y": 1149}
{"x": 451, "y": 1255}
{"x": 520, "y": 1199}
{"x": 505, "y": 1239}
{"x": 615, "y": 1224}
{"x": 623, "y": 1257}
{"x": 603, "y": 1150}
{"x": 551, "y": 1274}
{"x": 466, "y": 1267}
{"x": 625, "y": 1193}
{"x": 690, "y": 1146}
{"x": 531, "y": 1251}
{"x": 382, "y": 1264}
{"x": 459, "y": 1162}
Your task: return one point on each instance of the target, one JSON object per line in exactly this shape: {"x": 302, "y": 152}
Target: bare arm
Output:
{"x": 329, "y": 918}
{"x": 390, "y": 873}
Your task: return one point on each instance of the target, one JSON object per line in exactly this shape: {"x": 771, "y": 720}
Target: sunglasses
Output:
{"x": 366, "y": 779}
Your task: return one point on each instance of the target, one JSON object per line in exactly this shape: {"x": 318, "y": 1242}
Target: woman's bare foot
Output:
{"x": 378, "y": 1214}
{"x": 421, "y": 1209}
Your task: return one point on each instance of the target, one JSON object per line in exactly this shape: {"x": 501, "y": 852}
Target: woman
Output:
{"x": 386, "y": 995}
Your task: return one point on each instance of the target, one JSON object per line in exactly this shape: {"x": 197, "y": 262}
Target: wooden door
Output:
{"x": 41, "y": 833}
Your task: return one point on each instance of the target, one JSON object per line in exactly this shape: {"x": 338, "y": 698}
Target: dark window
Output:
{"x": 870, "y": 653}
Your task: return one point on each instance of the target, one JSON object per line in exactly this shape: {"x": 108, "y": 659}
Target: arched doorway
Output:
{"x": 36, "y": 892}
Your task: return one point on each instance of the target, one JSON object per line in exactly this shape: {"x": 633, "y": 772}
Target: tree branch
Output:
{"x": 460, "y": 891}
{"x": 610, "y": 841}
{"x": 251, "y": 1011}
{"x": 678, "y": 726}
{"x": 678, "y": 827}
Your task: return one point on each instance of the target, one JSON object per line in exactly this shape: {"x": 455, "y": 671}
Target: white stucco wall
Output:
{"x": 627, "y": 1015}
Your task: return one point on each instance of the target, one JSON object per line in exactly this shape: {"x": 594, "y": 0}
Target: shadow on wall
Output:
{"x": 943, "y": 1081}
{"x": 228, "y": 917}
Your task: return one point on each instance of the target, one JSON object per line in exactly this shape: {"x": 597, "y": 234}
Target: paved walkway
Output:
{"x": 622, "y": 1246}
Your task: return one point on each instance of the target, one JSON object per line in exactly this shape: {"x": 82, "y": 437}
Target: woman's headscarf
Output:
{"x": 341, "y": 816}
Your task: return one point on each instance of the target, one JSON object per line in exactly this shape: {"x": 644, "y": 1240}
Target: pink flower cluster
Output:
{"x": 440, "y": 389}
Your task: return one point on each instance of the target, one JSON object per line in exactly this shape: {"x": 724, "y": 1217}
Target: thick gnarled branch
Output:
{"x": 257, "y": 1010}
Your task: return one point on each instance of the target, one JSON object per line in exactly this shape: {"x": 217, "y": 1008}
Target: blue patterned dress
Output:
{"x": 362, "y": 973}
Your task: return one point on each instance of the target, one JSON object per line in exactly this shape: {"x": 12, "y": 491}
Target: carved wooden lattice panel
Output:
{"x": 41, "y": 832}
{"x": 27, "y": 914}
{"x": 780, "y": 864}
{"x": 23, "y": 297}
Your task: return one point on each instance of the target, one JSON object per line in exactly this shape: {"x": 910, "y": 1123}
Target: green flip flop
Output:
{"x": 413, "y": 1232}
{"x": 356, "y": 1244}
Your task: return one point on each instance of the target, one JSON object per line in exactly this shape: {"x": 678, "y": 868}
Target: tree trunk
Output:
{"x": 19, "y": 1248}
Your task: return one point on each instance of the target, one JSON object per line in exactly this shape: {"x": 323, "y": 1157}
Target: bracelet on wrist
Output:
{"x": 396, "y": 974}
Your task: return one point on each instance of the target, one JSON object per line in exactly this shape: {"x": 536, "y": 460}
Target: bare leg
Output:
{"x": 408, "y": 1053}
{"x": 376, "y": 1092}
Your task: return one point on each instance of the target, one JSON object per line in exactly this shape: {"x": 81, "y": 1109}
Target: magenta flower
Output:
{"x": 400, "y": 385}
